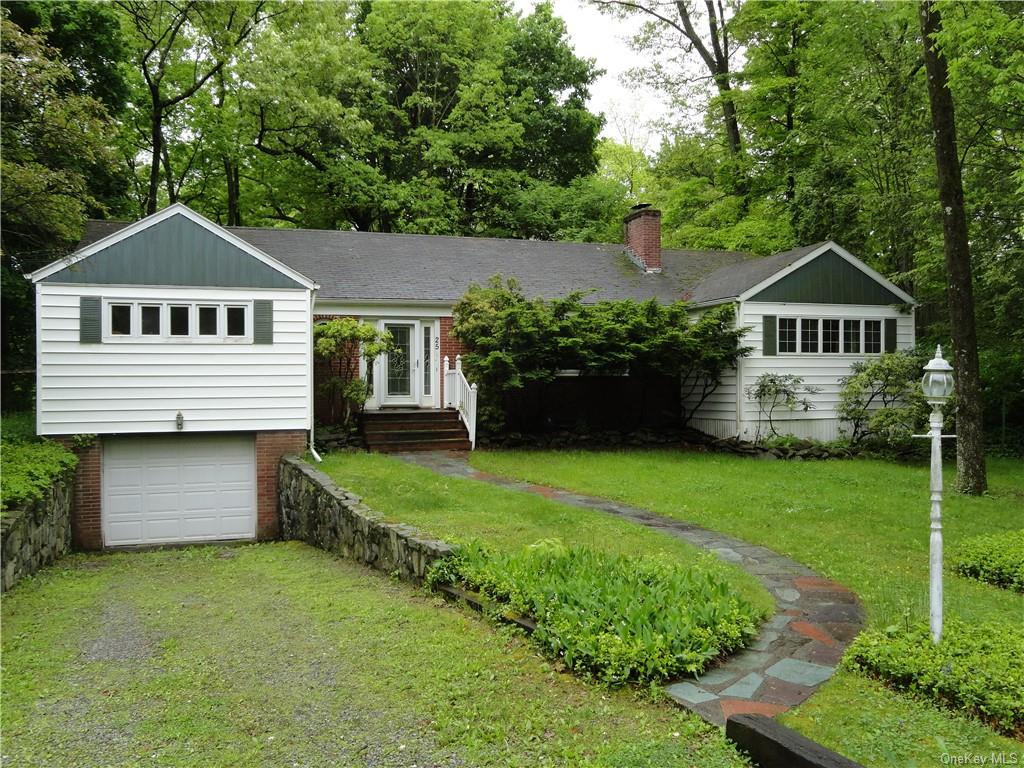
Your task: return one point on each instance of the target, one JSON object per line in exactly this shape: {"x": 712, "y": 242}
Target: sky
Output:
{"x": 596, "y": 36}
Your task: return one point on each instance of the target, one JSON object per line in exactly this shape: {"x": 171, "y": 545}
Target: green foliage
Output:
{"x": 995, "y": 558}
{"x": 882, "y": 398}
{"x": 342, "y": 343}
{"x": 774, "y": 390}
{"x": 29, "y": 463}
{"x": 513, "y": 341}
{"x": 977, "y": 668}
{"x": 615, "y": 617}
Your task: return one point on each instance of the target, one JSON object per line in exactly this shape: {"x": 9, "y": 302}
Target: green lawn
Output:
{"x": 281, "y": 655}
{"x": 863, "y": 523}
{"x": 454, "y": 509}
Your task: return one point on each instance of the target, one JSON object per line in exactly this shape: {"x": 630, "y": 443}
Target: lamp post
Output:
{"x": 937, "y": 385}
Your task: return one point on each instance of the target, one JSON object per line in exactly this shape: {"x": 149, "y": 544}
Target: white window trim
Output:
{"x": 165, "y": 336}
{"x": 798, "y": 319}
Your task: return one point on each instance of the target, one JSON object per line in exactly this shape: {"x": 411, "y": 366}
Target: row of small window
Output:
{"x": 830, "y": 335}
{"x": 209, "y": 321}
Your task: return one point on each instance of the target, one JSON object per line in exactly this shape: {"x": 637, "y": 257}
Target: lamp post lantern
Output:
{"x": 937, "y": 385}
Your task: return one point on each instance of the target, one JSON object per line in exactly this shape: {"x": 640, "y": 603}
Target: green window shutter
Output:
{"x": 263, "y": 321}
{"x": 890, "y": 334}
{"x": 770, "y": 326}
{"x": 90, "y": 325}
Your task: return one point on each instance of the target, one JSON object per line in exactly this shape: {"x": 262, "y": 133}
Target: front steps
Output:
{"x": 397, "y": 430}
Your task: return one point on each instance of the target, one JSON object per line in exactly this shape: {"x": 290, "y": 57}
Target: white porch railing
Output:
{"x": 460, "y": 394}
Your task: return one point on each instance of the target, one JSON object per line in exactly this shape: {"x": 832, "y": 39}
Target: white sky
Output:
{"x": 597, "y": 36}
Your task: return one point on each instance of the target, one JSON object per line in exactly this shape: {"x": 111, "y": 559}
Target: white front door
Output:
{"x": 178, "y": 488}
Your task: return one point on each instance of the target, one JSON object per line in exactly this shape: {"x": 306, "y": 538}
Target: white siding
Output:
{"x": 820, "y": 370}
{"x": 135, "y": 387}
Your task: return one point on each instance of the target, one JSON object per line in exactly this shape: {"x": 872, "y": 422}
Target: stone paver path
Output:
{"x": 798, "y": 648}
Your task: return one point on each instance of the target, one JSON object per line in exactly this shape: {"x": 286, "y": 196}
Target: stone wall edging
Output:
{"x": 315, "y": 510}
{"x": 38, "y": 534}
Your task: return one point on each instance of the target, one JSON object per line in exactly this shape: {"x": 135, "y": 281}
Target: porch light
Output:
{"x": 937, "y": 382}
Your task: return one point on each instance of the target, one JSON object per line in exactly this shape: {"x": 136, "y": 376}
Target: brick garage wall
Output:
{"x": 450, "y": 347}
{"x": 270, "y": 447}
{"x": 86, "y": 533}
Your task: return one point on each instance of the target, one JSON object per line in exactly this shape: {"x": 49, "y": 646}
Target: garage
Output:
{"x": 178, "y": 488}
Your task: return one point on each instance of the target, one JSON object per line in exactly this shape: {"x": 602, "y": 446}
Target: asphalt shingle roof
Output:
{"x": 372, "y": 266}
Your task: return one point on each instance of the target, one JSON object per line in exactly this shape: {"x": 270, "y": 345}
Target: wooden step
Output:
{"x": 396, "y": 435}
{"x": 414, "y": 429}
{"x": 403, "y": 446}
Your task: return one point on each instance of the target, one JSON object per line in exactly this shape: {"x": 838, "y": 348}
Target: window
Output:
{"x": 121, "y": 319}
{"x": 426, "y": 360}
{"x": 809, "y": 335}
{"x": 830, "y": 336}
{"x": 150, "y": 319}
{"x": 178, "y": 322}
{"x": 236, "y": 321}
{"x": 208, "y": 321}
{"x": 787, "y": 334}
{"x": 851, "y": 337}
{"x": 872, "y": 337}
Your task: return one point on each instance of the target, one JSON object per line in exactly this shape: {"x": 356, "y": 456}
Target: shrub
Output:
{"x": 977, "y": 668}
{"x": 29, "y": 470}
{"x": 513, "y": 341}
{"x": 613, "y": 617}
{"x": 996, "y": 558}
{"x": 774, "y": 390}
{"x": 881, "y": 398}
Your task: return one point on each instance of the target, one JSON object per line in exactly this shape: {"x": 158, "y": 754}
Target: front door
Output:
{"x": 400, "y": 366}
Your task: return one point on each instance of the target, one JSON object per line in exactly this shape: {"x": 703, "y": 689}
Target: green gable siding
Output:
{"x": 828, "y": 279}
{"x": 178, "y": 252}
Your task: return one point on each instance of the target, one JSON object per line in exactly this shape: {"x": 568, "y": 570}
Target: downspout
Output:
{"x": 312, "y": 448}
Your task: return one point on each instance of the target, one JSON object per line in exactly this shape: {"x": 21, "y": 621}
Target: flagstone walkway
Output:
{"x": 798, "y": 648}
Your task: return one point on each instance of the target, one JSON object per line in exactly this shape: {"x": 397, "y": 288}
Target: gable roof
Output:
{"x": 382, "y": 267}
{"x": 175, "y": 246}
{"x": 823, "y": 273}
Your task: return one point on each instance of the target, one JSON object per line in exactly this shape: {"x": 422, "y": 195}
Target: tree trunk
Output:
{"x": 232, "y": 176}
{"x": 156, "y": 140}
{"x": 970, "y": 451}
{"x": 732, "y": 126}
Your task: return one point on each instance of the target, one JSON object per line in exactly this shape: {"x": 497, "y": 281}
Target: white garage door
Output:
{"x": 178, "y": 488}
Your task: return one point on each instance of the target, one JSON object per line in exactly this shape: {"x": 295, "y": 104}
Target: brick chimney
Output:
{"x": 643, "y": 237}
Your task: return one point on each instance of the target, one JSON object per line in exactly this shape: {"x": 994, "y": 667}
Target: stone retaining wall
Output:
{"x": 318, "y": 512}
{"x": 37, "y": 534}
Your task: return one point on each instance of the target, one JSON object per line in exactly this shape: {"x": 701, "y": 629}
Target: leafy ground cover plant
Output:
{"x": 614, "y": 617}
{"x": 996, "y": 558}
{"x": 30, "y": 463}
{"x": 978, "y": 667}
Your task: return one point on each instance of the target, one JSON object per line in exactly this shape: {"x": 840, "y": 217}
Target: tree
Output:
{"x": 970, "y": 451}
{"x": 51, "y": 139}
{"x": 179, "y": 46}
{"x": 715, "y": 50}
{"x": 342, "y": 343}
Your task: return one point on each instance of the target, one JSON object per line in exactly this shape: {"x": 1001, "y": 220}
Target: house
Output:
{"x": 182, "y": 345}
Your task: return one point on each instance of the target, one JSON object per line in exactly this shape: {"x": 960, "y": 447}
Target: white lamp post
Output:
{"x": 937, "y": 385}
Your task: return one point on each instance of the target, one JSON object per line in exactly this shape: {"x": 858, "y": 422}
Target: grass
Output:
{"x": 279, "y": 654}
{"x": 454, "y": 509}
{"x": 863, "y": 523}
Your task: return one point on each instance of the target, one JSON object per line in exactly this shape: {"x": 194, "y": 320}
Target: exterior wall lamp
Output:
{"x": 179, "y": 421}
